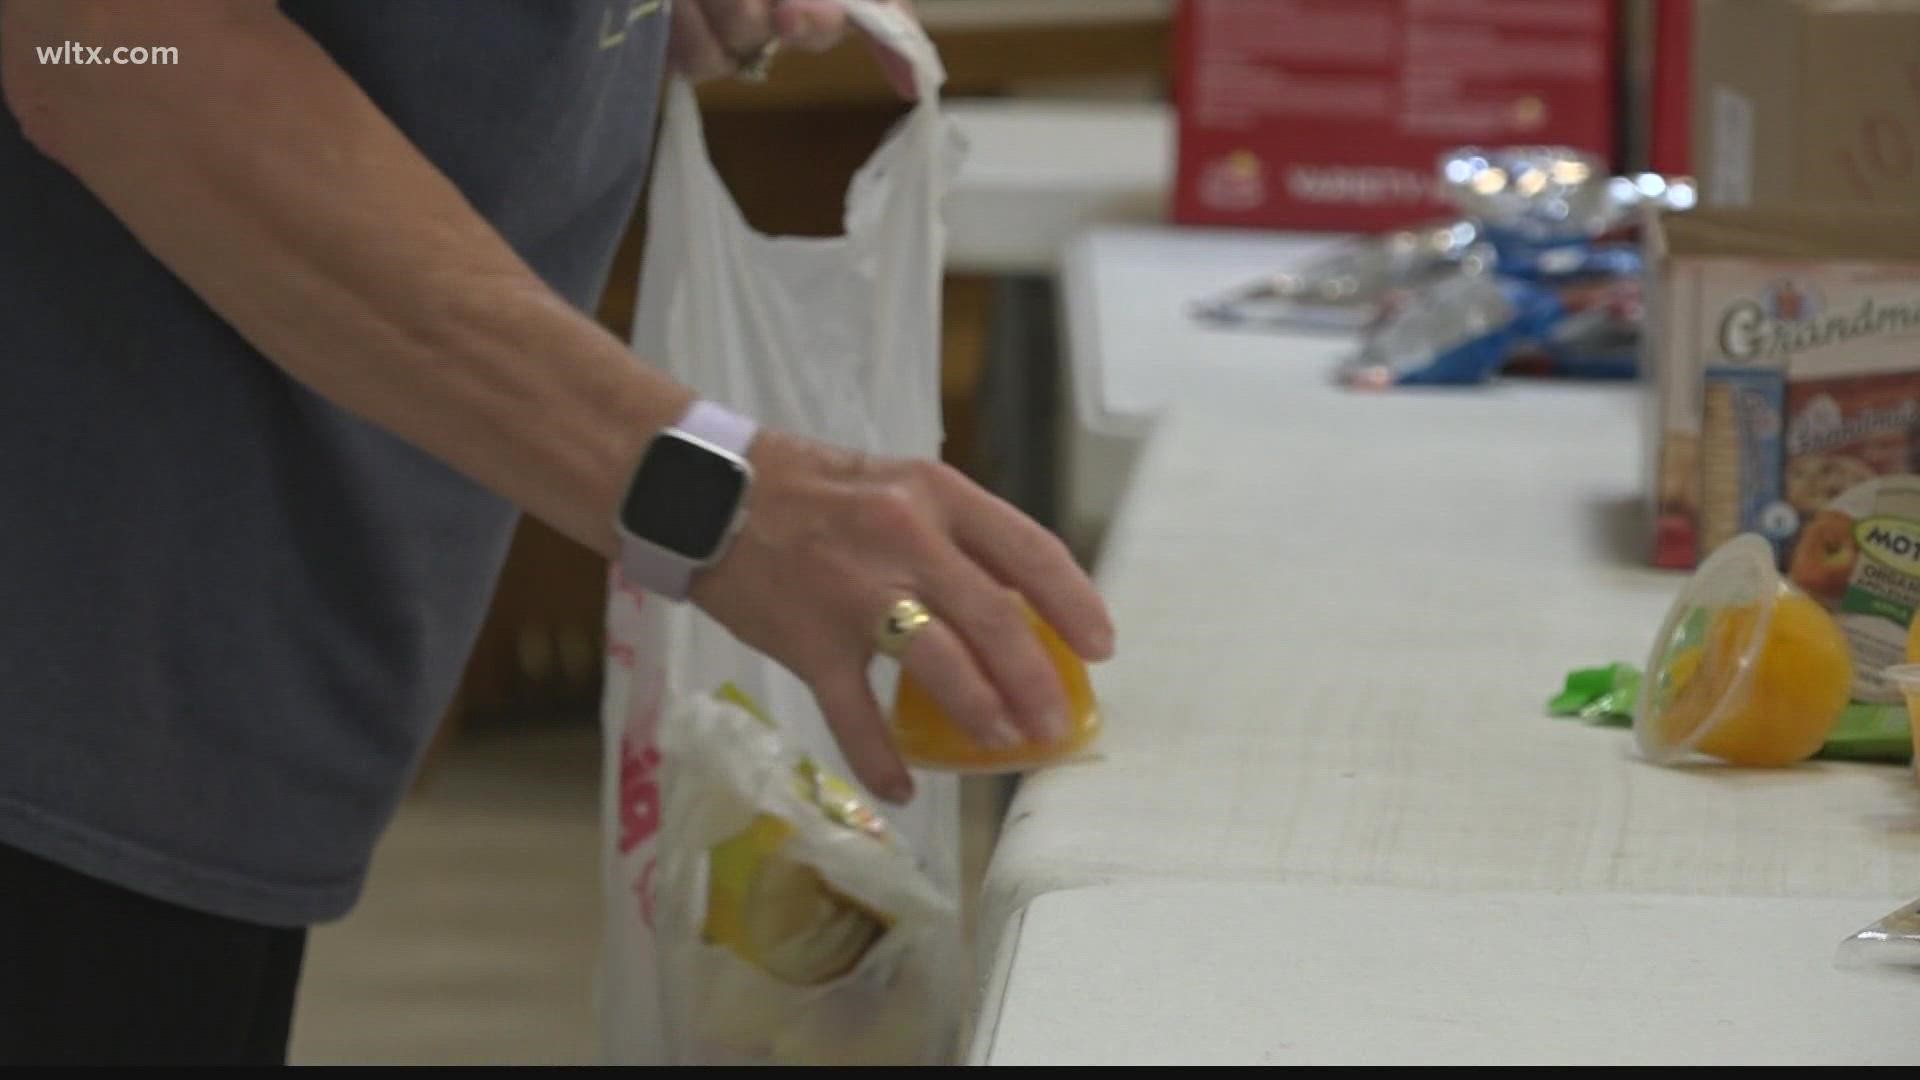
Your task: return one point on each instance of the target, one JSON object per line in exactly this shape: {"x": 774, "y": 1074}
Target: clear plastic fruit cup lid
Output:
{"x": 1701, "y": 669}
{"x": 1904, "y": 677}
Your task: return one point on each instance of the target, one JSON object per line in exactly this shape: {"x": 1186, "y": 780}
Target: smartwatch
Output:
{"x": 686, "y": 501}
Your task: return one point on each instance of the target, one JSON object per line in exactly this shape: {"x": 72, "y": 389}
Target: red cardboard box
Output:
{"x": 1670, "y": 105}
{"x": 1331, "y": 114}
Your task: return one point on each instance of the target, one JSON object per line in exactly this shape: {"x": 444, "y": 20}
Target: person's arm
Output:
{"x": 262, "y": 176}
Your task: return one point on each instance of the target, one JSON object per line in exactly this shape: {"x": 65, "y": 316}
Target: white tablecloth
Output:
{"x": 1340, "y": 616}
{"x": 1131, "y": 349}
{"x": 1324, "y": 975}
{"x": 1127, "y": 359}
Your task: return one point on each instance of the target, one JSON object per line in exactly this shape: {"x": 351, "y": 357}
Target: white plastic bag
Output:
{"x": 794, "y": 928}
{"x": 837, "y": 339}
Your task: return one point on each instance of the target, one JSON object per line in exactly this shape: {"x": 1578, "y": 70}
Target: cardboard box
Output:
{"x": 1668, "y": 102}
{"x": 1332, "y": 114}
{"x": 1784, "y": 369}
{"x": 1807, "y": 102}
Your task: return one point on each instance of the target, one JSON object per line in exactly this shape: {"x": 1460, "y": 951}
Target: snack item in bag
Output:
{"x": 1595, "y": 333}
{"x": 929, "y": 739}
{"x": 1552, "y": 285}
{"x": 795, "y": 928}
{"x": 1746, "y": 668}
{"x": 1458, "y": 329}
{"x": 1531, "y": 199}
{"x": 1346, "y": 286}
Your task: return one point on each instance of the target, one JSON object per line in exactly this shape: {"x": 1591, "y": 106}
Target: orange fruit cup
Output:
{"x": 1906, "y": 677}
{"x": 929, "y": 739}
{"x": 1747, "y": 668}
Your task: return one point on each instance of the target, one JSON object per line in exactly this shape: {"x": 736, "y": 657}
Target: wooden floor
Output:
{"x": 477, "y": 939}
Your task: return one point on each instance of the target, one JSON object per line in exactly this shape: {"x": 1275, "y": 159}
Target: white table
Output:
{"x": 1037, "y": 174}
{"x": 1125, "y": 289}
{"x": 1340, "y": 616}
{"x": 1040, "y": 171}
{"x": 1124, "y": 362}
{"x": 1323, "y": 975}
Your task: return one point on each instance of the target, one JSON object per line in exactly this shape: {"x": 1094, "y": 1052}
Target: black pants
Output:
{"x": 94, "y": 974}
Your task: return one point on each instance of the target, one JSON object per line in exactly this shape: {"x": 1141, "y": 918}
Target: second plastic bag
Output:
{"x": 836, "y": 339}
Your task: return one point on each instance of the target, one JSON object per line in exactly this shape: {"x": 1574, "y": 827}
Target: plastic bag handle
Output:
{"x": 896, "y": 31}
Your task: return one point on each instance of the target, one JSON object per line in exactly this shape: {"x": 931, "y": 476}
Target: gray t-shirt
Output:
{"x": 231, "y": 614}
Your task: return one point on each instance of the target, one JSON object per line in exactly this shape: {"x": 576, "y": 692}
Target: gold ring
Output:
{"x": 757, "y": 67}
{"x": 904, "y": 620}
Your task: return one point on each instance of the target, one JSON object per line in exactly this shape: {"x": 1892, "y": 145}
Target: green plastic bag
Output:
{"x": 1602, "y": 695}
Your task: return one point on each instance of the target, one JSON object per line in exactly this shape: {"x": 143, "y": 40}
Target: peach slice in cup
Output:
{"x": 929, "y": 739}
{"x": 1747, "y": 668}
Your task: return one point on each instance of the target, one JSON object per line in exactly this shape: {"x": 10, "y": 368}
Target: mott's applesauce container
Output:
{"x": 1859, "y": 555}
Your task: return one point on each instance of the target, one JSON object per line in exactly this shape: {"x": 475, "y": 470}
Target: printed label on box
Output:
{"x": 1334, "y": 113}
{"x": 1741, "y": 484}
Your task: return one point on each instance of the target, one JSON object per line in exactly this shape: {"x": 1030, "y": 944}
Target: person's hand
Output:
{"x": 833, "y": 540}
{"x": 716, "y": 38}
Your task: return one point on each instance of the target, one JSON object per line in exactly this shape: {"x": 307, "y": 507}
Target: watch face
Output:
{"x": 684, "y": 497}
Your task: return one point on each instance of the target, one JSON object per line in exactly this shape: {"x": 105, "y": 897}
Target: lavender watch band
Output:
{"x": 725, "y": 429}
{"x": 653, "y": 568}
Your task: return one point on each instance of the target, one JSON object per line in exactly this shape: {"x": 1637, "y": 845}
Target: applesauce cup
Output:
{"x": 1747, "y": 668}
{"x": 1906, "y": 678}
